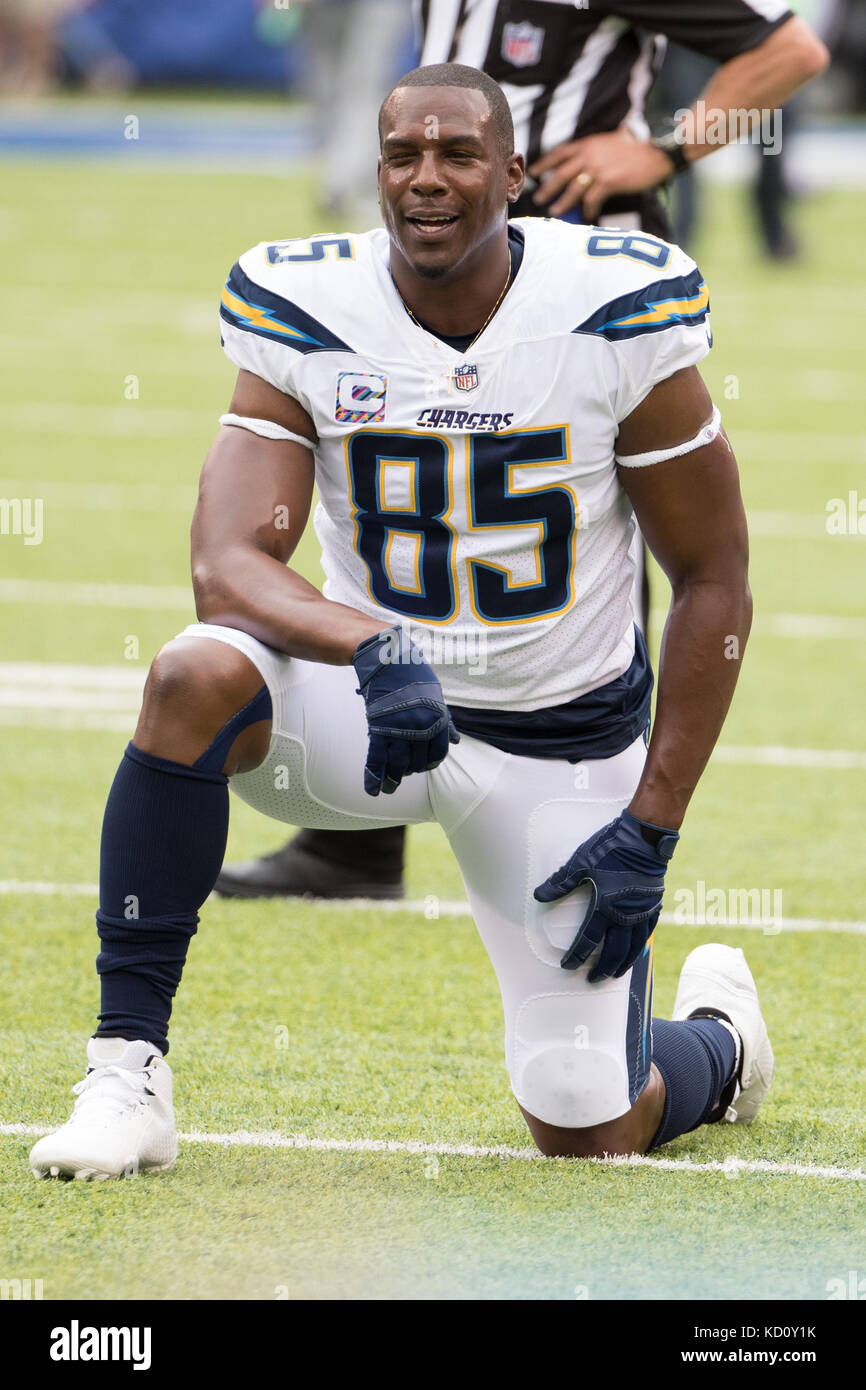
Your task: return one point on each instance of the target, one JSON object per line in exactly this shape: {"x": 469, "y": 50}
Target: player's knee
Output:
{"x": 572, "y": 1088}
{"x": 194, "y": 688}
{"x": 595, "y": 1141}
{"x": 191, "y": 674}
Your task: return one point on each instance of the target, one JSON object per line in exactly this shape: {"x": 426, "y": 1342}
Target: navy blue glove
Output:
{"x": 410, "y": 727}
{"x": 624, "y": 864}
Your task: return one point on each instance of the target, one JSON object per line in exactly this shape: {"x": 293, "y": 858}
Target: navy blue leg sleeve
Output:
{"x": 163, "y": 842}
{"x": 696, "y": 1058}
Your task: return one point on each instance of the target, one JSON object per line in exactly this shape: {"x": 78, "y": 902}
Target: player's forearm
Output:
{"x": 703, "y": 643}
{"x": 253, "y": 591}
{"x": 760, "y": 80}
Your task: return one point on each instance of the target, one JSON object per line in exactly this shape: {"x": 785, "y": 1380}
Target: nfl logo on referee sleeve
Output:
{"x": 521, "y": 44}
{"x": 466, "y": 377}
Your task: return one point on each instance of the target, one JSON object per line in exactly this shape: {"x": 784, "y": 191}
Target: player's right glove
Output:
{"x": 624, "y": 864}
{"x": 410, "y": 727}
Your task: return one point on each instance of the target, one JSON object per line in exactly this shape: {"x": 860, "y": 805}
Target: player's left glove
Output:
{"x": 624, "y": 864}
{"x": 410, "y": 727}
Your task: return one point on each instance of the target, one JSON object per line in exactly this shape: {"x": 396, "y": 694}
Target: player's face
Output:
{"x": 444, "y": 184}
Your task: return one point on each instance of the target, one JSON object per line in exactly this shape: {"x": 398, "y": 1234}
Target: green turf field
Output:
{"x": 357, "y": 1024}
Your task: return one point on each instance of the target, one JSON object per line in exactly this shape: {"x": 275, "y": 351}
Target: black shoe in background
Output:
{"x": 323, "y": 864}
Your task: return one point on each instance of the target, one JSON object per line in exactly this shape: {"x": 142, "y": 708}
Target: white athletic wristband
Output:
{"x": 268, "y": 429}
{"x": 705, "y": 435}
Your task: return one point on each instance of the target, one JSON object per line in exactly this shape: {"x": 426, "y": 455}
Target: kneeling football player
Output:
{"x": 485, "y": 409}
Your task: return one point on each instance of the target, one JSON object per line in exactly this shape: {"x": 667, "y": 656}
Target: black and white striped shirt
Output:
{"x": 571, "y": 68}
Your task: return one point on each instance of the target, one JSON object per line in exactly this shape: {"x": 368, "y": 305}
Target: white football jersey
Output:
{"x": 473, "y": 496}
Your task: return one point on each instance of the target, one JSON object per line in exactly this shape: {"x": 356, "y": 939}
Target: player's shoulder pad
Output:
{"x": 642, "y": 285}
{"x": 621, "y": 284}
{"x": 296, "y": 292}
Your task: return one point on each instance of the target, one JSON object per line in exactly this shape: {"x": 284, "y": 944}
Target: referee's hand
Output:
{"x": 587, "y": 172}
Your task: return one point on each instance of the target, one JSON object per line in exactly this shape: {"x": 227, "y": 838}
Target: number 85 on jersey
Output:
{"x": 513, "y": 542}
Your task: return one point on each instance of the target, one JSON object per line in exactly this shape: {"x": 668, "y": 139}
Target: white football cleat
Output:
{"x": 715, "y": 979}
{"x": 122, "y": 1123}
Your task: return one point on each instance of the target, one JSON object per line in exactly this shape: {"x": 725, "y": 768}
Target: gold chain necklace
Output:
{"x": 474, "y": 340}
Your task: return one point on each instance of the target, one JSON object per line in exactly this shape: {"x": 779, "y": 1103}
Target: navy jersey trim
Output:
{"x": 461, "y": 342}
{"x": 683, "y": 299}
{"x": 638, "y": 1031}
{"x": 253, "y": 309}
{"x": 597, "y": 725}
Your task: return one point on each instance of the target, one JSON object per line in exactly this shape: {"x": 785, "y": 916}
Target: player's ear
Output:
{"x": 516, "y": 173}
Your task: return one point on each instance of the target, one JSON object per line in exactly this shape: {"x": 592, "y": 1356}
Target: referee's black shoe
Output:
{"x": 323, "y": 864}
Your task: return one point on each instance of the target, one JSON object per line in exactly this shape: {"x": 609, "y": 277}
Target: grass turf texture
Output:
{"x": 355, "y": 1023}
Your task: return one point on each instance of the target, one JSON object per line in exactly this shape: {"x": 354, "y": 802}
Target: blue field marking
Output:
{"x": 269, "y": 135}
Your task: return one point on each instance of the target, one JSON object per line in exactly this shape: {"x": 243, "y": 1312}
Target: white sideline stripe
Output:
{"x": 766, "y": 524}
{"x": 817, "y": 924}
{"x": 246, "y": 1138}
{"x": 841, "y": 447}
{"x": 82, "y": 721}
{"x": 154, "y": 497}
{"x": 27, "y": 698}
{"x": 119, "y": 716}
{"x": 66, "y": 674}
{"x": 60, "y": 594}
{"x": 47, "y": 695}
{"x": 65, "y": 890}
{"x": 107, "y": 497}
{"x": 136, "y": 417}
{"x": 178, "y": 596}
{"x": 421, "y": 907}
{"x": 810, "y": 625}
{"x": 121, "y": 421}
{"x": 805, "y": 625}
{"x": 828, "y": 759}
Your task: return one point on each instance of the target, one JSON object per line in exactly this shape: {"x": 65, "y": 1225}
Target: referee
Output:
{"x": 577, "y": 74}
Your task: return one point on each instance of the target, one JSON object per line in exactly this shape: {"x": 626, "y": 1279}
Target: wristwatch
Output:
{"x": 668, "y": 140}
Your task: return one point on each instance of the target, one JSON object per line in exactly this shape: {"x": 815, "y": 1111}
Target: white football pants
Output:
{"x": 577, "y": 1054}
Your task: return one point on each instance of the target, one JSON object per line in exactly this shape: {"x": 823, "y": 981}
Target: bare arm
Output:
{"x": 253, "y": 505}
{"x": 617, "y": 162}
{"x": 762, "y": 79}
{"x": 691, "y": 514}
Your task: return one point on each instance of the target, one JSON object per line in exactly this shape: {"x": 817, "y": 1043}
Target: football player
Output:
{"x": 577, "y": 79}
{"x": 485, "y": 407}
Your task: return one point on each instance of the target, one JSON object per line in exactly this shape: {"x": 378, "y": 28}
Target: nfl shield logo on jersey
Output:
{"x": 521, "y": 44}
{"x": 466, "y": 377}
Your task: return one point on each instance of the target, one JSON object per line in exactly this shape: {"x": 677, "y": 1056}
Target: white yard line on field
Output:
{"x": 118, "y": 715}
{"x": 134, "y": 417}
{"x": 66, "y": 675}
{"x": 810, "y": 625}
{"x": 117, "y": 421}
{"x": 154, "y": 497}
{"x": 253, "y": 1139}
{"x": 64, "y": 720}
{"x": 108, "y": 497}
{"x": 764, "y": 524}
{"x": 807, "y": 626}
{"x": 40, "y": 889}
{"x": 841, "y": 448}
{"x": 431, "y": 908}
{"x": 68, "y": 696}
{"x": 60, "y": 593}
{"x": 165, "y": 597}
{"x": 772, "y": 755}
